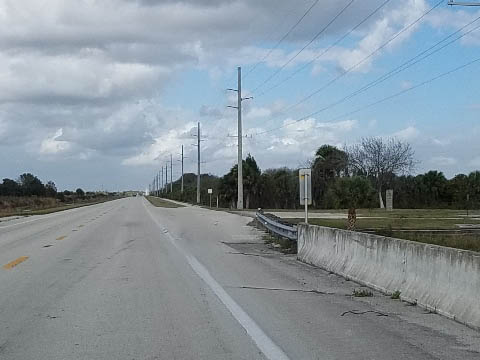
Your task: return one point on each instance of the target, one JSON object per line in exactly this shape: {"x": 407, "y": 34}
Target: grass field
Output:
{"x": 439, "y": 227}
{"x": 155, "y": 201}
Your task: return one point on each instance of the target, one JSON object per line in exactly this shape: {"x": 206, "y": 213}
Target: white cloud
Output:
{"x": 441, "y": 142}
{"x": 409, "y": 133}
{"x": 54, "y": 144}
{"x": 443, "y": 161}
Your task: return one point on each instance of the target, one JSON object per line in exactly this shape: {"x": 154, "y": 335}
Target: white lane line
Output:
{"x": 266, "y": 345}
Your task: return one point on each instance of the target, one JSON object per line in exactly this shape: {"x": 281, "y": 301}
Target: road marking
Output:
{"x": 15, "y": 262}
{"x": 61, "y": 237}
{"x": 266, "y": 345}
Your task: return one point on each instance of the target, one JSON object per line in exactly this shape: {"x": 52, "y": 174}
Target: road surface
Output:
{"x": 126, "y": 280}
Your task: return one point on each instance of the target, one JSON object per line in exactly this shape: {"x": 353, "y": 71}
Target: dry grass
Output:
{"x": 18, "y": 206}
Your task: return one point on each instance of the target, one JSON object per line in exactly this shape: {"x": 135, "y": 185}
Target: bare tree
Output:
{"x": 379, "y": 158}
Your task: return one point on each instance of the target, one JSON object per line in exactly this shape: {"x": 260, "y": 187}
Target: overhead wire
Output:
{"x": 326, "y": 50}
{"x": 458, "y": 68}
{"x": 356, "y": 65}
{"x": 409, "y": 63}
{"x": 286, "y": 109}
{"x": 442, "y": 75}
{"x": 281, "y": 39}
{"x": 268, "y": 79}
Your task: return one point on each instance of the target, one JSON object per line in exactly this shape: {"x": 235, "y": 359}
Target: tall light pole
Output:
{"x": 240, "y": 137}
{"x": 171, "y": 173}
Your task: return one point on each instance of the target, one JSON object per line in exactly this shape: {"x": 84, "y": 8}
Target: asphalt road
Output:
{"x": 126, "y": 280}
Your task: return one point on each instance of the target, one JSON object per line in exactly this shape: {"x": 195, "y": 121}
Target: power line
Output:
{"x": 458, "y": 68}
{"x": 331, "y": 82}
{"x": 281, "y": 40}
{"x": 326, "y": 50}
{"x": 305, "y": 46}
{"x": 409, "y": 63}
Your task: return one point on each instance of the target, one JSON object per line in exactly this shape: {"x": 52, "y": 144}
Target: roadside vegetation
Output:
{"x": 29, "y": 196}
{"x": 357, "y": 177}
{"x": 340, "y": 179}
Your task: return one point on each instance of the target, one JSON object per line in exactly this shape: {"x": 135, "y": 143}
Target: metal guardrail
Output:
{"x": 289, "y": 232}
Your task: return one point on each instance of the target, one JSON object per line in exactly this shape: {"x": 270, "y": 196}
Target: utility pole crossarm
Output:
{"x": 463, "y": 3}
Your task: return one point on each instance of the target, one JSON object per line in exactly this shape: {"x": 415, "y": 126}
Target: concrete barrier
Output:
{"x": 441, "y": 279}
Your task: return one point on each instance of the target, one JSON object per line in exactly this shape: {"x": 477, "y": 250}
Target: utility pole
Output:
{"x": 166, "y": 177}
{"x": 240, "y": 137}
{"x": 182, "y": 171}
{"x": 198, "y": 163}
{"x": 171, "y": 173}
{"x": 162, "y": 179}
{"x": 240, "y": 155}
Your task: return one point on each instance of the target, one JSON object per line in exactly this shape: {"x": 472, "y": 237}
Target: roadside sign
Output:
{"x": 305, "y": 180}
{"x": 210, "y": 191}
{"x": 305, "y": 175}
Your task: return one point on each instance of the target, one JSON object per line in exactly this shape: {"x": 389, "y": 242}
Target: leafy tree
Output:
{"x": 251, "y": 180}
{"x": 328, "y": 164}
{"x": 434, "y": 185}
{"x": 228, "y": 187}
{"x": 50, "y": 189}
{"x": 352, "y": 192}
{"x": 80, "y": 192}
{"x": 10, "y": 187}
{"x": 381, "y": 159}
{"x": 31, "y": 185}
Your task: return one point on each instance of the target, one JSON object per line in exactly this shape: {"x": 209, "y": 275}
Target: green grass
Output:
{"x": 460, "y": 240}
{"x": 397, "y": 213}
{"x": 415, "y": 225}
{"x": 155, "y": 201}
{"x": 374, "y": 224}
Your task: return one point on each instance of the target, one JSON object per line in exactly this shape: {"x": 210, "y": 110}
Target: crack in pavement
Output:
{"x": 281, "y": 289}
{"x": 250, "y": 254}
{"x": 357, "y": 312}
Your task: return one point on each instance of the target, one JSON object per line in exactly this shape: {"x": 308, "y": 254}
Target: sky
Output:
{"x": 98, "y": 93}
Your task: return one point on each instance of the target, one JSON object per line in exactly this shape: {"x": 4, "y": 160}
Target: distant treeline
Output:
{"x": 336, "y": 184}
{"x": 28, "y": 185}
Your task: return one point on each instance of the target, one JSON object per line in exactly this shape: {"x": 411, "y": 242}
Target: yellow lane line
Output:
{"x": 14, "y": 263}
{"x": 61, "y": 237}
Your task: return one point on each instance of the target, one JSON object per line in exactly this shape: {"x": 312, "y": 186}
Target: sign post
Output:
{"x": 305, "y": 180}
{"x": 210, "y": 191}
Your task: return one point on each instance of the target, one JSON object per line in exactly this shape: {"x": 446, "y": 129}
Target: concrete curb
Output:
{"x": 443, "y": 280}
